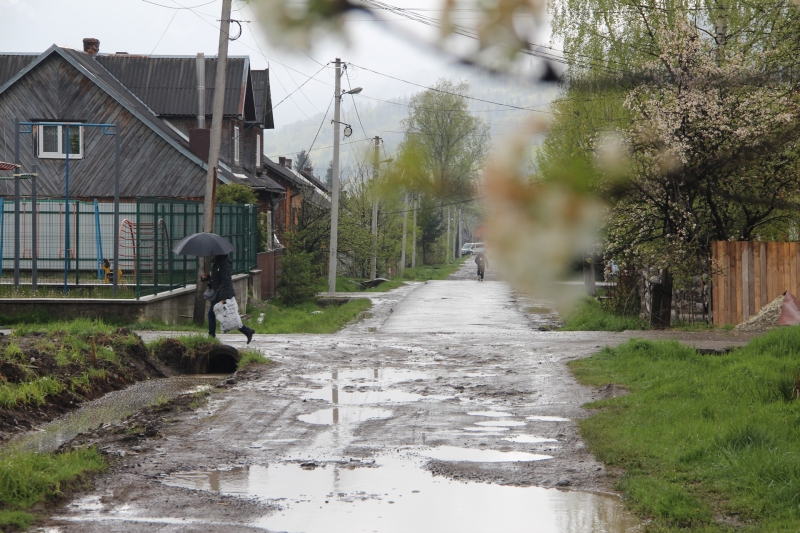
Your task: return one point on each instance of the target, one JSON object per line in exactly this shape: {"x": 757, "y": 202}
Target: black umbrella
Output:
{"x": 203, "y": 245}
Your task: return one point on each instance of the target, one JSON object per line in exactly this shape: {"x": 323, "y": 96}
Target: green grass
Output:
{"x": 589, "y": 315}
{"x": 79, "y": 327}
{"x": 34, "y": 392}
{"x": 304, "y": 318}
{"x": 27, "y": 478}
{"x": 420, "y": 273}
{"x": 701, "y": 436}
{"x": 252, "y": 356}
{"x": 85, "y": 291}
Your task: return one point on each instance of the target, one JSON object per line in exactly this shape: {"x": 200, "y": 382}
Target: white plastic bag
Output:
{"x": 228, "y": 315}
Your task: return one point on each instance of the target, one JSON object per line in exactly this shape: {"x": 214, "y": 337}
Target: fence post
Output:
{"x": 170, "y": 240}
{"x": 34, "y": 233}
{"x": 137, "y": 260}
{"x": 77, "y": 242}
{"x": 2, "y": 231}
{"x": 155, "y": 247}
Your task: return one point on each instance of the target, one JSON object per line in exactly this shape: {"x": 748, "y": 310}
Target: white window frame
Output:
{"x": 258, "y": 151}
{"x": 61, "y": 153}
{"x": 236, "y": 144}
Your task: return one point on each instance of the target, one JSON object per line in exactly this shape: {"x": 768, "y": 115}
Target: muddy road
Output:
{"x": 447, "y": 409}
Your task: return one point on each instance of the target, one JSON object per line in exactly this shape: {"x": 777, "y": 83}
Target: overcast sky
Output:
{"x": 392, "y": 46}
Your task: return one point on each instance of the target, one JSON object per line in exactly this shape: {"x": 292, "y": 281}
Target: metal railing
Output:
{"x": 148, "y": 230}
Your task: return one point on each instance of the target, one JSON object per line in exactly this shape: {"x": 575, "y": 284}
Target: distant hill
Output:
{"x": 385, "y": 119}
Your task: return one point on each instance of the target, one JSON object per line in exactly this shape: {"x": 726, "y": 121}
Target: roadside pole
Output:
{"x": 403, "y": 247}
{"x": 374, "y": 264}
{"x": 213, "y": 152}
{"x": 333, "y": 260}
{"x": 415, "y": 206}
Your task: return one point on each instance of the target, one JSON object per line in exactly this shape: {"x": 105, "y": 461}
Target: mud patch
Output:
{"x": 361, "y": 397}
{"x": 529, "y": 439}
{"x": 548, "y": 418}
{"x": 472, "y": 455}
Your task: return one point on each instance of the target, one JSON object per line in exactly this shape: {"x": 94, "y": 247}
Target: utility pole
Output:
{"x": 415, "y": 205}
{"x": 458, "y": 237}
{"x": 449, "y": 254}
{"x": 333, "y": 259}
{"x": 213, "y": 150}
{"x": 375, "y": 163}
{"x": 403, "y": 246}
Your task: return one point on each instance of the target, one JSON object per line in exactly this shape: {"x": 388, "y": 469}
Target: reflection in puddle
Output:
{"x": 472, "y": 455}
{"x": 112, "y": 407}
{"x": 344, "y": 415}
{"x": 399, "y": 497}
{"x": 485, "y": 429}
{"x": 548, "y": 418}
{"x": 501, "y": 423}
{"x": 529, "y": 439}
{"x": 380, "y": 375}
{"x": 496, "y": 414}
{"x": 345, "y": 397}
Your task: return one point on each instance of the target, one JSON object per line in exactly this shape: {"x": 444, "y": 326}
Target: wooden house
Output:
{"x": 155, "y": 98}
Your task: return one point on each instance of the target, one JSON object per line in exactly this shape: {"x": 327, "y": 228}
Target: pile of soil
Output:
{"x": 133, "y": 362}
{"x": 765, "y": 319}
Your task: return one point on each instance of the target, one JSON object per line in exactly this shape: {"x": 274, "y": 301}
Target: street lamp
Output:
{"x": 353, "y": 91}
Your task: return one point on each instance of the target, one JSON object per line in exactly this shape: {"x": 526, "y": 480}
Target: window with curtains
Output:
{"x": 53, "y": 141}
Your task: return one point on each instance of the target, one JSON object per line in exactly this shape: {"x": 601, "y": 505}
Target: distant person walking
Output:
{"x": 482, "y": 263}
{"x": 222, "y": 282}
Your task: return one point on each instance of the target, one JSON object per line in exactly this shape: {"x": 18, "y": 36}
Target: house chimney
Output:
{"x": 91, "y": 45}
{"x": 200, "y": 142}
{"x": 201, "y": 90}
{"x": 288, "y": 163}
{"x": 282, "y": 161}
{"x": 309, "y": 170}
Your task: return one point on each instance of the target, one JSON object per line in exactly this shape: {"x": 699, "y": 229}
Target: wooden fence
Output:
{"x": 749, "y": 275}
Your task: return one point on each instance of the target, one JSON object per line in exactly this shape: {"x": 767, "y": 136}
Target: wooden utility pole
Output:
{"x": 213, "y": 151}
{"x": 415, "y": 205}
{"x": 403, "y": 246}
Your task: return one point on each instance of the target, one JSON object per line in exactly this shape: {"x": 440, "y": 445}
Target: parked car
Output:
{"x": 466, "y": 249}
{"x": 478, "y": 248}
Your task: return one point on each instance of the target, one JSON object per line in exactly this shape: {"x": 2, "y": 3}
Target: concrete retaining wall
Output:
{"x": 171, "y": 307}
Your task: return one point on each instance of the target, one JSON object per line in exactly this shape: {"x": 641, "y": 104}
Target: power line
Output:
{"x": 354, "y": 102}
{"x": 453, "y": 94}
{"x": 178, "y": 8}
{"x": 165, "y": 31}
{"x": 321, "y": 124}
{"x": 291, "y": 93}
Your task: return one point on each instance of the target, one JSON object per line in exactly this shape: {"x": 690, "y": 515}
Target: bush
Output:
{"x": 297, "y": 284}
{"x": 234, "y": 193}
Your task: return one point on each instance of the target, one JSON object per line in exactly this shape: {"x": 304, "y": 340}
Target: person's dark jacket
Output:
{"x": 481, "y": 261}
{"x": 221, "y": 279}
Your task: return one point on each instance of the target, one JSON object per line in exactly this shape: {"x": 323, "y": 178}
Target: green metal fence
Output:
{"x": 149, "y": 228}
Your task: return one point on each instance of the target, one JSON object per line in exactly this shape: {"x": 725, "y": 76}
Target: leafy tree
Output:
{"x": 298, "y": 279}
{"x": 233, "y": 193}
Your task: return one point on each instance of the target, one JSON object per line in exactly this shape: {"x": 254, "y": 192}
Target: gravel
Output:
{"x": 766, "y": 319}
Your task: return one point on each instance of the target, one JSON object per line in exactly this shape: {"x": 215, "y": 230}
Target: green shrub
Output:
{"x": 589, "y": 315}
{"x": 297, "y": 284}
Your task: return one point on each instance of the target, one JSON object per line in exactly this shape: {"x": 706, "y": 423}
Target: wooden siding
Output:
{"x": 55, "y": 90}
{"x": 749, "y": 275}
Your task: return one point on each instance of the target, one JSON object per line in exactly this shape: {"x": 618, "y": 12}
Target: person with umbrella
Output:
{"x": 220, "y": 281}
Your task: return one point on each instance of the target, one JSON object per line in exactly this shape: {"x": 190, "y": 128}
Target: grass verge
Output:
{"x": 420, "y": 273}
{"x": 704, "y": 441}
{"x": 252, "y": 357}
{"x": 27, "y": 478}
{"x": 304, "y": 318}
{"x": 589, "y": 315}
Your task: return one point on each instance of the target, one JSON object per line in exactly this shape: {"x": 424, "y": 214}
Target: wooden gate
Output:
{"x": 749, "y": 275}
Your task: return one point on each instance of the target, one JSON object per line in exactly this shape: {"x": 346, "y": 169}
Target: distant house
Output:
{"x": 299, "y": 186}
{"x": 155, "y": 98}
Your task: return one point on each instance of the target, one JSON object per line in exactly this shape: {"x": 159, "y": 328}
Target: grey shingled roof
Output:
{"x": 10, "y": 64}
{"x": 168, "y": 85}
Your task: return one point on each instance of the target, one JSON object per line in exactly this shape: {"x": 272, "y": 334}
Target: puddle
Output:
{"x": 529, "y": 439}
{"x": 353, "y": 397}
{"x": 548, "y": 418}
{"x": 485, "y": 429}
{"x": 501, "y": 423}
{"x": 397, "y": 496}
{"x": 472, "y": 455}
{"x": 496, "y": 414}
{"x": 379, "y": 375}
{"x": 112, "y": 407}
{"x": 344, "y": 415}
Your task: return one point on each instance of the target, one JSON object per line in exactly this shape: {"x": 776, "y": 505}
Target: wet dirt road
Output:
{"x": 445, "y": 410}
